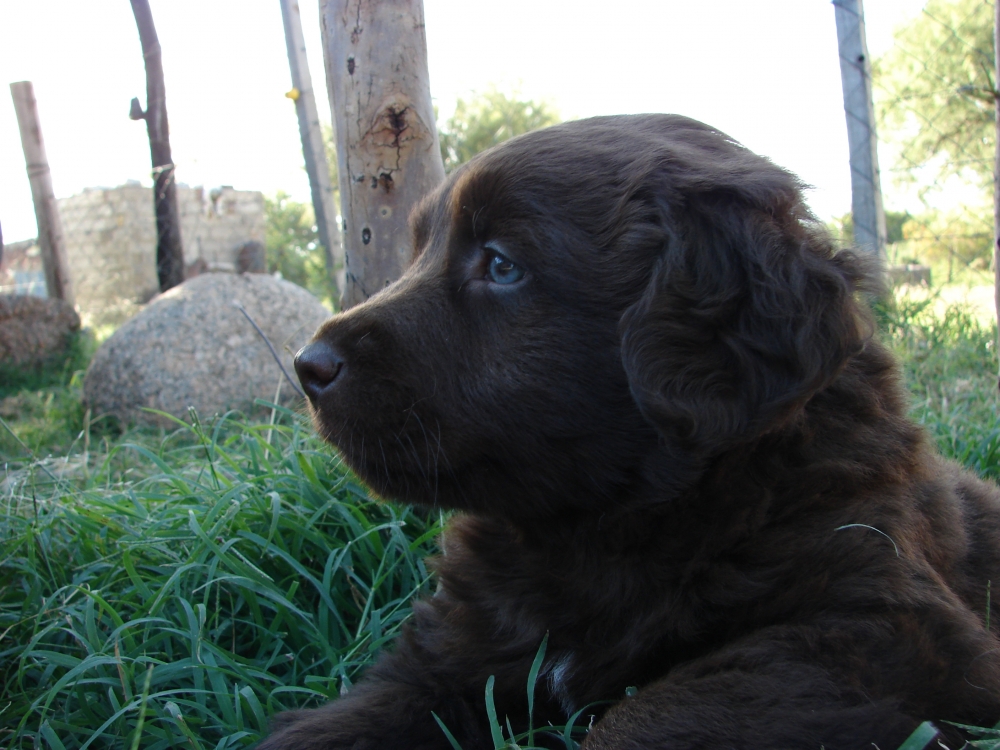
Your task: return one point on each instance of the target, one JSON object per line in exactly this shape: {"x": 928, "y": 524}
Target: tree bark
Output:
{"x": 313, "y": 149}
{"x": 855, "y": 72}
{"x": 996, "y": 178}
{"x": 169, "y": 251}
{"x": 51, "y": 243}
{"x": 387, "y": 144}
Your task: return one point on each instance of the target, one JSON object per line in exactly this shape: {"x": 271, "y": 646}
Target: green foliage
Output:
{"x": 986, "y": 738}
{"x": 949, "y": 235}
{"x": 894, "y": 222}
{"x": 186, "y": 591}
{"x": 41, "y": 422}
{"x": 41, "y": 406}
{"x": 960, "y": 235}
{"x": 934, "y": 97}
{"x": 843, "y": 226}
{"x": 330, "y": 149}
{"x": 293, "y": 246}
{"x": 934, "y": 93}
{"x": 949, "y": 363}
{"x": 58, "y": 371}
{"x": 487, "y": 119}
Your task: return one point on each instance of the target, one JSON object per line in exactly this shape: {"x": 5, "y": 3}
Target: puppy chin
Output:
{"x": 386, "y": 475}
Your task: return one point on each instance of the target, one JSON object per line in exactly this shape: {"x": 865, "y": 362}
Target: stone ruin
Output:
{"x": 191, "y": 347}
{"x": 110, "y": 238}
{"x": 21, "y": 270}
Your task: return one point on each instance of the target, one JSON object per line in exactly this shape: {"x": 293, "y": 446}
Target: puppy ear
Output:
{"x": 749, "y": 312}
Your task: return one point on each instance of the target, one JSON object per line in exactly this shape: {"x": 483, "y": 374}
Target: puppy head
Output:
{"x": 588, "y": 301}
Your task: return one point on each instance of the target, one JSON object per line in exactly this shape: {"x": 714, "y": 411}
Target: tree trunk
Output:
{"x": 855, "y": 73}
{"x": 312, "y": 143}
{"x": 169, "y": 251}
{"x": 387, "y": 145}
{"x": 51, "y": 244}
{"x": 996, "y": 177}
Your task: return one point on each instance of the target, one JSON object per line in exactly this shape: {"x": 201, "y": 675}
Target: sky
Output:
{"x": 768, "y": 74}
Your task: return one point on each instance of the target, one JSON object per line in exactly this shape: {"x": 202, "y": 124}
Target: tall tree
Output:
{"x": 169, "y": 251}
{"x": 387, "y": 145}
{"x": 939, "y": 105}
{"x": 935, "y": 94}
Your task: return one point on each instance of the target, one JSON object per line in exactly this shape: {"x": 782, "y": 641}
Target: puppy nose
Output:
{"x": 317, "y": 365}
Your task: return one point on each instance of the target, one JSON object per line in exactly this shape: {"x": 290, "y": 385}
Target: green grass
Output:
{"x": 184, "y": 592}
{"x": 949, "y": 363}
{"x": 176, "y": 588}
{"x": 42, "y": 404}
{"x": 55, "y": 372}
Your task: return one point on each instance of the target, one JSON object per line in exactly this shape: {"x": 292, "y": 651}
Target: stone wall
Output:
{"x": 21, "y": 270}
{"x": 111, "y": 241}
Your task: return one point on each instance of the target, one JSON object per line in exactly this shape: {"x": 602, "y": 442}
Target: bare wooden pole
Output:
{"x": 312, "y": 142}
{"x": 388, "y": 156}
{"x": 50, "y": 232}
{"x": 856, "y": 77}
{"x": 996, "y": 177}
{"x": 169, "y": 251}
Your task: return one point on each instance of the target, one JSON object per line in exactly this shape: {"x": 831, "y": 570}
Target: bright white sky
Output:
{"x": 766, "y": 73}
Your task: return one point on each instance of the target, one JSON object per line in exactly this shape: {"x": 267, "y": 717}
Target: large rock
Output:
{"x": 191, "y": 346}
{"x": 34, "y": 330}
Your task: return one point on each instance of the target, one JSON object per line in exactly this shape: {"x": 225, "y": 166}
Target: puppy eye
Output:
{"x": 502, "y": 270}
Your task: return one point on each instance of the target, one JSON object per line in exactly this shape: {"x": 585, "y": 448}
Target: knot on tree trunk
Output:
{"x": 394, "y": 131}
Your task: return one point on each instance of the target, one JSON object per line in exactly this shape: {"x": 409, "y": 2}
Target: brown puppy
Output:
{"x": 636, "y": 365}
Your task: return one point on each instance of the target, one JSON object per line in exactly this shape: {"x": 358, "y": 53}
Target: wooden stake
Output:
{"x": 388, "y": 156}
{"x": 996, "y": 177}
{"x": 312, "y": 142}
{"x": 50, "y": 232}
{"x": 169, "y": 251}
{"x": 856, "y": 77}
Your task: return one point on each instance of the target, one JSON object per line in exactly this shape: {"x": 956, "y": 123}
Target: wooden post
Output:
{"x": 50, "y": 232}
{"x": 856, "y": 76}
{"x": 388, "y": 156}
{"x": 169, "y": 251}
{"x": 312, "y": 142}
{"x": 996, "y": 177}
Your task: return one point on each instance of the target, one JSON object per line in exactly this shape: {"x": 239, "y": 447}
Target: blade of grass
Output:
{"x": 536, "y": 665}
{"x": 921, "y": 737}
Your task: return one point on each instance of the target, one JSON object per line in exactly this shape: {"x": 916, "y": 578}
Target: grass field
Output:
{"x": 175, "y": 588}
{"x": 182, "y": 589}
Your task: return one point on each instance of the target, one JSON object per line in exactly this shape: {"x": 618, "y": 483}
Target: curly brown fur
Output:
{"x": 673, "y": 445}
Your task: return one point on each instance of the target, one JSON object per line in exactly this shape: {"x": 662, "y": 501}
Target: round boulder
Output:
{"x": 193, "y": 347}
